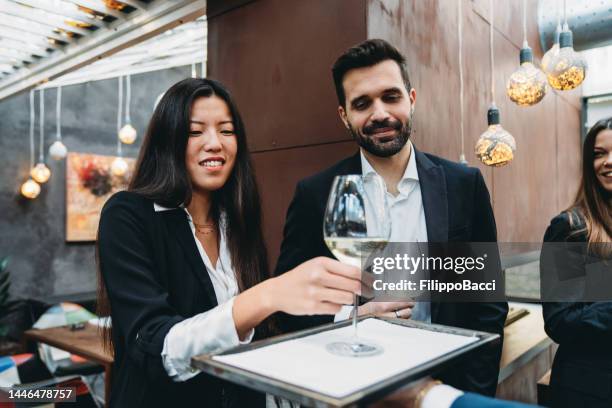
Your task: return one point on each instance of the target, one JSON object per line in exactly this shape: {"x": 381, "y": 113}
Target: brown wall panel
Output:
{"x": 278, "y": 172}
{"x": 276, "y": 57}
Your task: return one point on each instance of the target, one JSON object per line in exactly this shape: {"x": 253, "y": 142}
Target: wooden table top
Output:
{"x": 86, "y": 342}
{"x": 523, "y": 339}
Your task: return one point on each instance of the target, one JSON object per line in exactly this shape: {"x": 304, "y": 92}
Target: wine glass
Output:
{"x": 356, "y": 224}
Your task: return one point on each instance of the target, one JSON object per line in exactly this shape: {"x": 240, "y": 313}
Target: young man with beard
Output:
{"x": 431, "y": 199}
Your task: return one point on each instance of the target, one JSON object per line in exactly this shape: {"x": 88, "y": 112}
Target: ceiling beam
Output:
{"x": 160, "y": 16}
{"x": 29, "y": 39}
{"x": 100, "y": 8}
{"x": 136, "y": 4}
{"x": 44, "y": 18}
{"x": 61, "y": 11}
{"x": 33, "y": 29}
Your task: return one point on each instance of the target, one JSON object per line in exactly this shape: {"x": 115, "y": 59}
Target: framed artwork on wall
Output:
{"x": 89, "y": 183}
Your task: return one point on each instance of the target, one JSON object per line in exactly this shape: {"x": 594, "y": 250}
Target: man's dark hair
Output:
{"x": 366, "y": 54}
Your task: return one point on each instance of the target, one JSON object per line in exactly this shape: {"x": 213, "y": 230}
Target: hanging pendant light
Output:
{"x": 567, "y": 69}
{"x": 527, "y": 85}
{"x": 119, "y": 166}
{"x": 41, "y": 173}
{"x": 31, "y": 189}
{"x": 127, "y": 134}
{"x": 58, "y": 150}
{"x": 495, "y": 147}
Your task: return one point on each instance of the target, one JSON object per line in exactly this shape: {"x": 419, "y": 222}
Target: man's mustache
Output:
{"x": 387, "y": 123}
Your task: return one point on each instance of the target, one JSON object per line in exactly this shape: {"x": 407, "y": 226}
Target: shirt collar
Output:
{"x": 160, "y": 208}
{"x": 410, "y": 173}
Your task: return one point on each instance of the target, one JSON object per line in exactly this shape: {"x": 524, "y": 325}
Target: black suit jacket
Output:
{"x": 582, "y": 369}
{"x": 457, "y": 208}
{"x": 155, "y": 278}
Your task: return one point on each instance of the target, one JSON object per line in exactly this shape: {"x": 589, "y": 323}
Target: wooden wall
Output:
{"x": 544, "y": 176}
{"x": 276, "y": 56}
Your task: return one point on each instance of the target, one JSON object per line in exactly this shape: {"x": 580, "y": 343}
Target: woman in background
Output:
{"x": 582, "y": 370}
{"x": 183, "y": 268}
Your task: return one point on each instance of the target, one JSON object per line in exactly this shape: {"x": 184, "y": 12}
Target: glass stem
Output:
{"x": 355, "y": 310}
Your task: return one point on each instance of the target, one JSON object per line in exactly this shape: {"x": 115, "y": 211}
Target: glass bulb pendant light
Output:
{"x": 127, "y": 134}
{"x": 567, "y": 69}
{"x": 527, "y": 85}
{"x": 58, "y": 150}
{"x": 119, "y": 166}
{"x": 41, "y": 173}
{"x": 30, "y": 189}
{"x": 496, "y": 146}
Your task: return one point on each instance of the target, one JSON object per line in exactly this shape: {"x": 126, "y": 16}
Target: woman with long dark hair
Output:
{"x": 582, "y": 369}
{"x": 182, "y": 260}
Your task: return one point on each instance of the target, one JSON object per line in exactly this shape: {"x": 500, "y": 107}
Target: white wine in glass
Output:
{"x": 356, "y": 224}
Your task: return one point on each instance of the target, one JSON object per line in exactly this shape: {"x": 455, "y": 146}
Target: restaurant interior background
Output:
{"x": 275, "y": 56}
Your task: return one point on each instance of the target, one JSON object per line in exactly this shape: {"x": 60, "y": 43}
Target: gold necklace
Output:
{"x": 205, "y": 229}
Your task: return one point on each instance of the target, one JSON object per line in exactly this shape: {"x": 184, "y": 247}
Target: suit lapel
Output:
{"x": 435, "y": 204}
{"x": 435, "y": 201}
{"x": 178, "y": 226}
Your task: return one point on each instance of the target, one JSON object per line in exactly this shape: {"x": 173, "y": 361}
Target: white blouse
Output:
{"x": 209, "y": 331}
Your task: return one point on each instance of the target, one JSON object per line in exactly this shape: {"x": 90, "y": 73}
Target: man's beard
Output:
{"x": 366, "y": 139}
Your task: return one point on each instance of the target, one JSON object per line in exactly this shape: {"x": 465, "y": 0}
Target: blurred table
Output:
{"x": 86, "y": 343}
{"x": 527, "y": 355}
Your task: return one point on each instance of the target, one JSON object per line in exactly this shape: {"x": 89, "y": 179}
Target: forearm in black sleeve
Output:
{"x": 139, "y": 306}
{"x": 570, "y": 322}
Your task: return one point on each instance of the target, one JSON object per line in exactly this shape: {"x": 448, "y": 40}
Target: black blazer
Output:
{"x": 155, "y": 278}
{"x": 457, "y": 208}
{"x": 582, "y": 369}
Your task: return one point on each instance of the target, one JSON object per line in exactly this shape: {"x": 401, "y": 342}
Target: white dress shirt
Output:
{"x": 211, "y": 330}
{"x": 407, "y": 221}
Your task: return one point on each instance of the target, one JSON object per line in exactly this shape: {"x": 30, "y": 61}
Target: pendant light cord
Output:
{"x": 58, "y": 113}
{"x": 32, "y": 120}
{"x": 120, "y": 105}
{"x": 491, "y": 52}
{"x": 193, "y": 70}
{"x": 460, "y": 36}
{"x": 41, "y": 123}
{"x": 525, "y": 45}
{"x": 565, "y": 26}
{"x": 128, "y": 98}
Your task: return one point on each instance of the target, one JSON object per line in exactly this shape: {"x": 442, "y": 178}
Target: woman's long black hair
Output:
{"x": 161, "y": 175}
